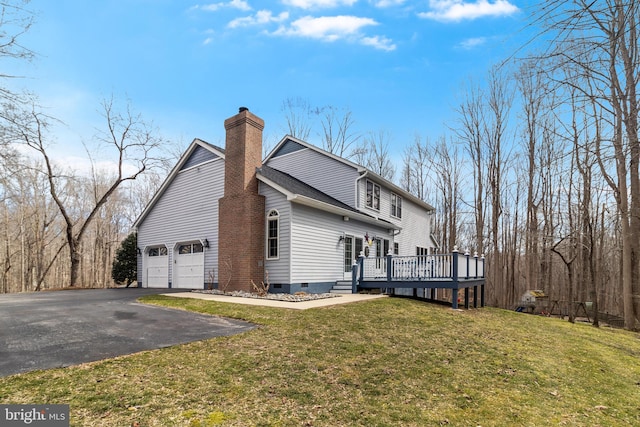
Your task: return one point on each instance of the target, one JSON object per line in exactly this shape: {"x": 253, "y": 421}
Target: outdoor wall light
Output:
{"x": 341, "y": 238}
{"x": 205, "y": 243}
{"x": 138, "y": 251}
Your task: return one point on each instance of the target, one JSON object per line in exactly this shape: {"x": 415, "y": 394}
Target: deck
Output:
{"x": 453, "y": 271}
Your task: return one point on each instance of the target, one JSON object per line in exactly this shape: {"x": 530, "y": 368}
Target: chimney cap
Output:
{"x": 241, "y": 109}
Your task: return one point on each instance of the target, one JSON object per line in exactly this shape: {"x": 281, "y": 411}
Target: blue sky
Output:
{"x": 397, "y": 65}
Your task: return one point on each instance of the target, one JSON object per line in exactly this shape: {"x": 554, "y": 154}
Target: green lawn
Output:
{"x": 387, "y": 362}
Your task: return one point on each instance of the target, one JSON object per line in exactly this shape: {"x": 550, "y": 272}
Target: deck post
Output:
{"x": 466, "y": 255}
{"x": 466, "y": 298}
{"x": 361, "y": 264}
{"x": 354, "y": 277}
{"x": 475, "y": 296}
{"x": 483, "y": 282}
{"x": 454, "y": 278}
{"x": 475, "y": 255}
{"x": 389, "y": 270}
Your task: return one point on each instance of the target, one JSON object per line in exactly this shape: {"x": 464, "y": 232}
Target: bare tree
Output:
{"x": 470, "y": 133}
{"x": 133, "y": 143}
{"x": 338, "y": 136}
{"x": 298, "y": 114}
{"x": 15, "y": 21}
{"x": 373, "y": 153}
{"x": 599, "y": 40}
{"x": 447, "y": 168}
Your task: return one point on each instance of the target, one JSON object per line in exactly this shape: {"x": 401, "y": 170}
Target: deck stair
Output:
{"x": 341, "y": 287}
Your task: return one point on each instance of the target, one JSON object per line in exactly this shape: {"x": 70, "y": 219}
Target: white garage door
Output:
{"x": 156, "y": 264}
{"x": 189, "y": 264}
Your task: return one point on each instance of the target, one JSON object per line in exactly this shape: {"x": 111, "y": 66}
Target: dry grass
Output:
{"x": 389, "y": 362}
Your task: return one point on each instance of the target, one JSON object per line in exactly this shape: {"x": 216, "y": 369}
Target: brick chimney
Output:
{"x": 241, "y": 220}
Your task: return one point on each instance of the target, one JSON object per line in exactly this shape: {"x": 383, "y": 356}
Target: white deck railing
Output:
{"x": 423, "y": 267}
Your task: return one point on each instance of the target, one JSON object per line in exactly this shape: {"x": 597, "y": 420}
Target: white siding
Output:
{"x": 187, "y": 211}
{"x": 415, "y": 221}
{"x": 316, "y": 250}
{"x": 416, "y": 228}
{"x": 279, "y": 271}
{"x": 385, "y": 202}
{"x": 328, "y": 175}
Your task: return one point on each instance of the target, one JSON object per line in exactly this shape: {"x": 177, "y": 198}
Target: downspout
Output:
{"x": 364, "y": 175}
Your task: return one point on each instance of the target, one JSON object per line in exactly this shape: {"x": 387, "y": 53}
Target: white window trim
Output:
{"x": 366, "y": 193}
{"x": 398, "y": 198}
{"x": 275, "y": 217}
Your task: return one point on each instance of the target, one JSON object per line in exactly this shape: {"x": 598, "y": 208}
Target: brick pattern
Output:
{"x": 241, "y": 243}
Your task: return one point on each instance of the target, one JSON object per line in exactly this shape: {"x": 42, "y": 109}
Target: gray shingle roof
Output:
{"x": 296, "y": 186}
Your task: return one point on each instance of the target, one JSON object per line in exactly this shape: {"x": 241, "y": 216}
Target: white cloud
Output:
{"x": 387, "y": 3}
{"x": 317, "y": 4}
{"x": 326, "y": 28}
{"x": 332, "y": 28}
{"x": 458, "y": 10}
{"x": 261, "y": 17}
{"x": 378, "y": 42}
{"x": 472, "y": 42}
{"x": 234, "y": 4}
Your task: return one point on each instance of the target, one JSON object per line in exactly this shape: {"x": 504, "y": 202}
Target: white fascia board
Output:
{"x": 275, "y": 186}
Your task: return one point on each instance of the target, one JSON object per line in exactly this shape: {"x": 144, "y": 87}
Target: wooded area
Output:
{"x": 540, "y": 172}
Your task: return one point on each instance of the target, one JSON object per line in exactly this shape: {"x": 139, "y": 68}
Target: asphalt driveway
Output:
{"x": 46, "y": 330}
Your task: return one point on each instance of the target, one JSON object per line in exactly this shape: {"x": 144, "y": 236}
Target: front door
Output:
{"x": 352, "y": 249}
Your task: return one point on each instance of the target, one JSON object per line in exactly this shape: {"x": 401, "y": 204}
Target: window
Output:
{"x": 373, "y": 195}
{"x": 158, "y": 251}
{"x": 273, "y": 234}
{"x": 396, "y": 248}
{"x": 190, "y": 248}
{"x": 422, "y": 251}
{"x": 396, "y": 205}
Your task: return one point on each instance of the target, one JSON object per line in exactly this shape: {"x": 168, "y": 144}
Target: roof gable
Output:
{"x": 289, "y": 146}
{"x": 197, "y": 153}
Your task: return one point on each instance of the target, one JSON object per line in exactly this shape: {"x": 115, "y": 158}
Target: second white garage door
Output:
{"x": 189, "y": 271}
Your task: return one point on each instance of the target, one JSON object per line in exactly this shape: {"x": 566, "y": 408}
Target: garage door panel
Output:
{"x": 157, "y": 269}
{"x": 157, "y": 277}
{"x": 189, "y": 271}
